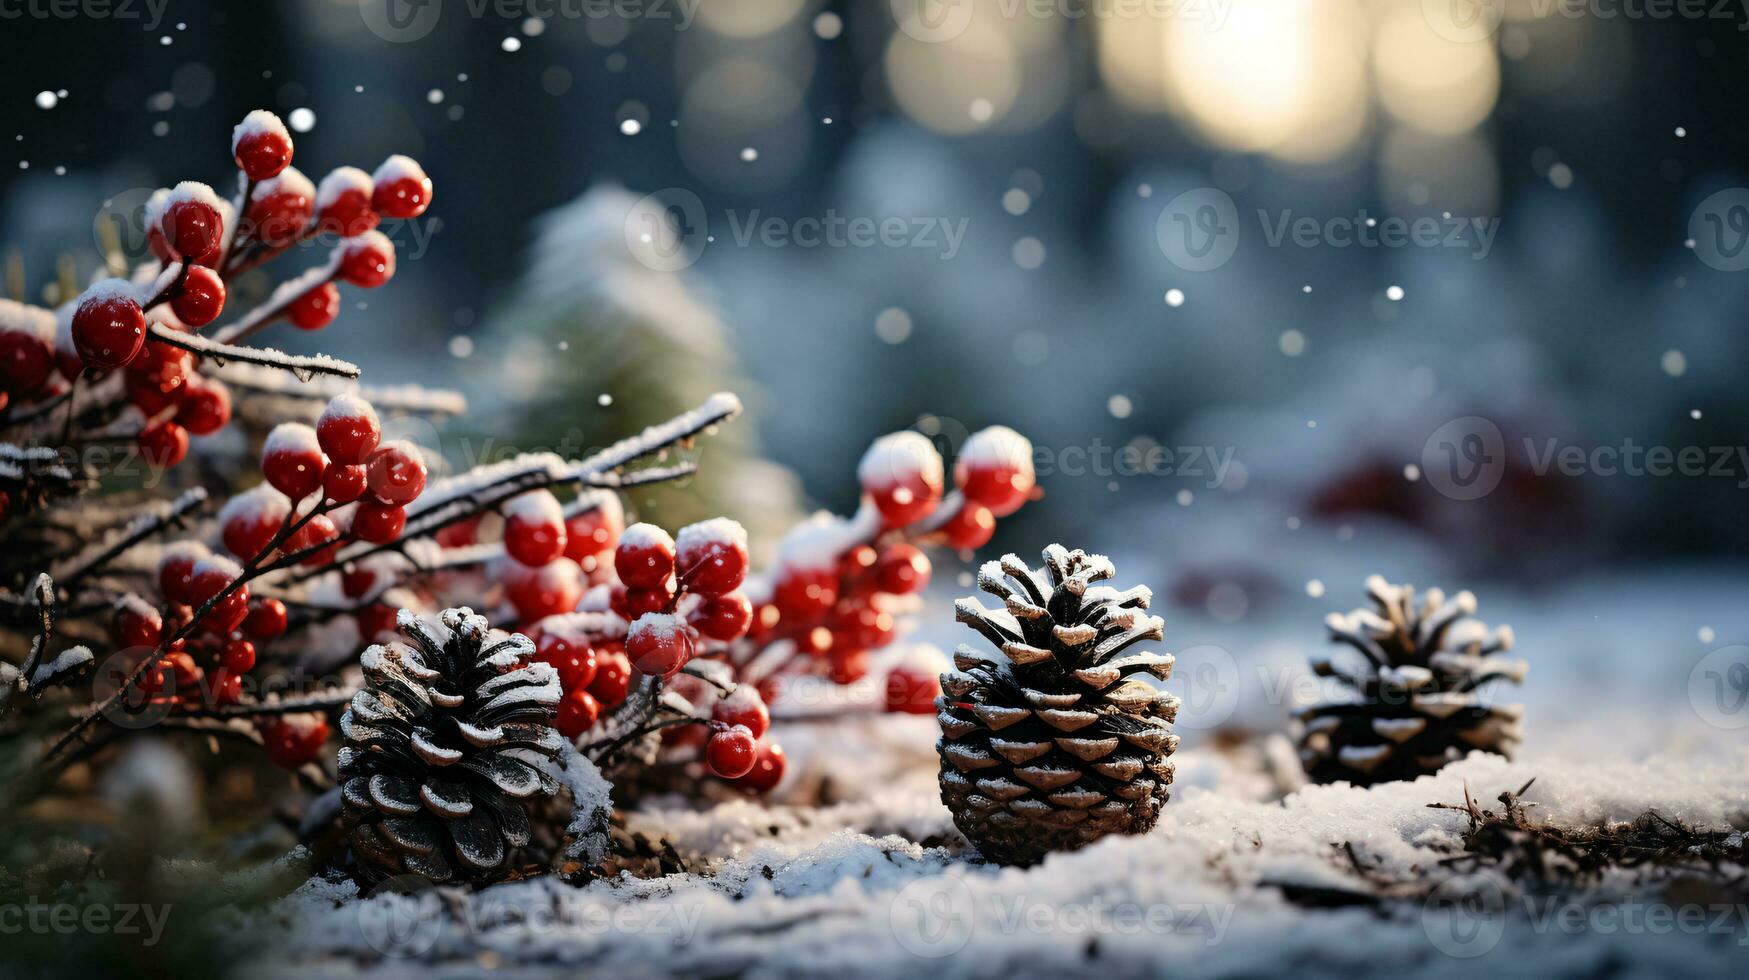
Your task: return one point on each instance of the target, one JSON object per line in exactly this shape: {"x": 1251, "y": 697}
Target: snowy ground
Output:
{"x": 877, "y": 883}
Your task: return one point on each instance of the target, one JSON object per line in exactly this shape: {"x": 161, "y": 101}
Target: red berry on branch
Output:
{"x": 280, "y": 209}
{"x": 367, "y": 260}
{"x": 291, "y": 460}
{"x": 857, "y": 561}
{"x": 201, "y": 299}
{"x": 316, "y": 308}
{"x": 590, "y": 532}
{"x": 578, "y": 711}
{"x": 804, "y": 594}
{"x": 378, "y": 523}
{"x": 548, "y": 590}
{"x": 348, "y": 430}
{"x": 261, "y": 145}
{"x": 641, "y": 601}
{"x": 192, "y": 221}
{"x": 139, "y": 625}
{"x": 912, "y": 690}
{"x": 461, "y": 534}
{"x": 767, "y": 770}
{"x": 163, "y": 444}
{"x": 266, "y": 619}
{"x": 226, "y": 687}
{"x": 343, "y": 203}
{"x": 25, "y": 362}
{"x": 847, "y": 666}
{"x": 534, "y": 527}
{"x": 212, "y": 575}
{"x": 743, "y": 706}
{"x": 293, "y": 740}
{"x": 731, "y": 752}
{"x": 902, "y": 570}
{"x": 185, "y": 673}
{"x": 722, "y": 617}
{"x": 204, "y": 407}
{"x": 374, "y": 621}
{"x": 161, "y": 367}
{"x": 356, "y": 580}
{"x": 176, "y": 570}
{"x": 861, "y": 627}
{"x": 343, "y": 484}
{"x": 712, "y": 556}
{"x": 995, "y": 469}
{"x": 613, "y": 676}
{"x": 573, "y": 659}
{"x": 396, "y": 473}
{"x": 108, "y": 325}
{"x": 315, "y": 533}
{"x": 970, "y": 528}
{"x": 645, "y": 557}
{"x": 659, "y": 644}
{"x": 238, "y": 656}
{"x": 248, "y": 521}
{"x": 402, "y": 190}
{"x": 902, "y": 474}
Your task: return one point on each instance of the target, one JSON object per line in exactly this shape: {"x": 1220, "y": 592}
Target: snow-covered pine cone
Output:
{"x": 1419, "y": 694}
{"x": 1052, "y": 742}
{"x": 443, "y": 744}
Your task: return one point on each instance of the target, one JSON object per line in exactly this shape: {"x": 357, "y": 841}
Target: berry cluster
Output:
{"x": 840, "y": 584}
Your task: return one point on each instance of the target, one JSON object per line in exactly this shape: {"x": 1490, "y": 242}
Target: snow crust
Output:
{"x": 339, "y": 181}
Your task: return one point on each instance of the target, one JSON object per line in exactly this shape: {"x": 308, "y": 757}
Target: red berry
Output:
{"x": 767, "y": 770}
{"x": 574, "y": 660}
{"x": 368, "y": 260}
{"x": 184, "y": 671}
{"x": 641, "y": 601}
{"x": 744, "y": 707}
{"x": 163, "y": 444}
{"x": 202, "y": 298}
{"x": 659, "y": 644}
{"x": 712, "y": 556}
{"x": 315, "y": 533}
{"x": 551, "y": 589}
{"x": 291, "y": 460}
{"x": 901, "y": 473}
{"x": 613, "y": 676}
{"x": 25, "y": 362}
{"x": 348, "y": 429}
{"x": 396, "y": 473}
{"x": 266, "y": 619}
{"x": 249, "y": 521}
{"x": 590, "y": 532}
{"x": 912, "y": 690}
{"x": 857, "y": 560}
{"x": 378, "y": 523}
{"x": 316, "y": 308}
{"x": 902, "y": 570}
{"x": 847, "y": 666}
{"x": 645, "y": 557}
{"x": 293, "y": 740}
{"x": 161, "y": 367}
{"x": 260, "y": 145}
{"x": 804, "y": 594}
{"x": 176, "y": 571}
{"x": 970, "y": 528}
{"x": 995, "y": 469}
{"x": 862, "y": 627}
{"x": 212, "y": 575}
{"x": 192, "y": 225}
{"x": 226, "y": 687}
{"x": 722, "y": 617}
{"x": 238, "y": 657}
{"x": 356, "y": 580}
{"x": 343, "y": 203}
{"x": 731, "y": 752}
{"x": 139, "y": 625}
{"x": 375, "y": 620}
{"x": 343, "y": 484}
{"x": 280, "y": 209}
{"x": 578, "y": 711}
{"x": 205, "y": 407}
{"x": 461, "y": 534}
{"x": 402, "y": 189}
{"x": 108, "y": 327}
{"x": 534, "y": 528}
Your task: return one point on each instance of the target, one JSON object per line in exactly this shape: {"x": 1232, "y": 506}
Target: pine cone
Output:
{"x": 1418, "y": 696}
{"x": 443, "y": 744}
{"x": 1050, "y": 745}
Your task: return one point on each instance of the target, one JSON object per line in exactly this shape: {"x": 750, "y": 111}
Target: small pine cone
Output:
{"x": 1418, "y": 696}
{"x": 1052, "y": 743}
{"x": 443, "y": 744}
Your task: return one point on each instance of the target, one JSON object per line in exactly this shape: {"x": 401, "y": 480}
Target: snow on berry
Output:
{"x": 401, "y": 188}
{"x": 291, "y": 459}
{"x": 902, "y": 472}
{"x": 534, "y": 527}
{"x": 176, "y": 569}
{"x": 659, "y": 644}
{"x": 343, "y": 203}
{"x": 348, "y": 429}
{"x": 711, "y": 556}
{"x": 281, "y": 208}
{"x": 995, "y": 469}
{"x": 396, "y": 472}
{"x": 367, "y": 260}
{"x": 261, "y": 145}
{"x": 548, "y": 590}
{"x": 108, "y": 326}
{"x": 249, "y": 520}
{"x": 644, "y": 558}
{"x": 192, "y": 220}
{"x": 731, "y": 752}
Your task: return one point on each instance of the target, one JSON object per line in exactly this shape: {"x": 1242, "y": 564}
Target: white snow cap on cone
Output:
{"x": 902, "y": 457}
